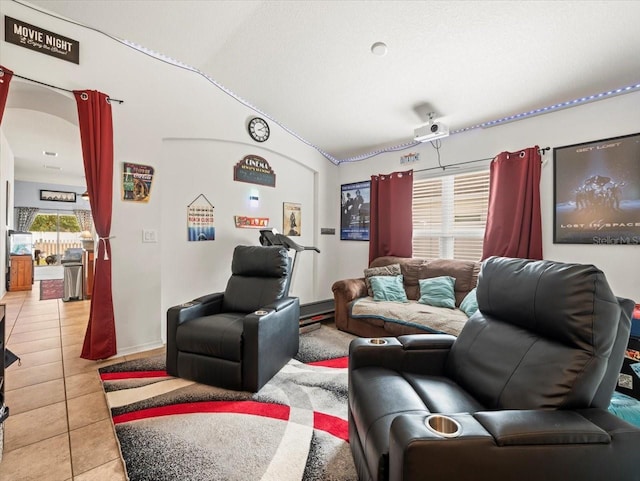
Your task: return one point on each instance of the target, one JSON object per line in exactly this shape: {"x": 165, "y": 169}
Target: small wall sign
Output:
{"x": 254, "y": 170}
{"x": 410, "y": 157}
{"x": 136, "y": 182}
{"x": 200, "y": 220}
{"x": 41, "y": 40}
{"x": 244, "y": 222}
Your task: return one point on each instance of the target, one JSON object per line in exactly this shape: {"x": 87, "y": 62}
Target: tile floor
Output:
{"x": 59, "y": 427}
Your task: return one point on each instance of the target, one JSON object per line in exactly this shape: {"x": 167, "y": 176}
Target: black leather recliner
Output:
{"x": 528, "y": 382}
{"x": 240, "y": 338}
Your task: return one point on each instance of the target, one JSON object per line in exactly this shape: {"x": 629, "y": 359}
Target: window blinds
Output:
{"x": 449, "y": 216}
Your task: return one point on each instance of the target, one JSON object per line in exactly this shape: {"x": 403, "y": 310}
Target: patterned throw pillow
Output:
{"x": 388, "y": 288}
{"x": 438, "y": 292}
{"x": 390, "y": 270}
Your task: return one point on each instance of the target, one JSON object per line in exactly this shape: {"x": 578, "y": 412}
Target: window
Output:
{"x": 53, "y": 233}
{"x": 449, "y": 216}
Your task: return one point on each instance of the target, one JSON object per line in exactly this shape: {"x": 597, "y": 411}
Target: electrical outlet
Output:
{"x": 149, "y": 235}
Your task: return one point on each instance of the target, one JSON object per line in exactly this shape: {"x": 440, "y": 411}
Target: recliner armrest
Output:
{"x": 210, "y": 303}
{"x": 532, "y": 427}
{"x": 414, "y": 342}
{"x": 271, "y": 338}
{"x": 524, "y": 445}
{"x": 199, "y": 307}
{"x": 280, "y": 304}
{"x": 421, "y": 353}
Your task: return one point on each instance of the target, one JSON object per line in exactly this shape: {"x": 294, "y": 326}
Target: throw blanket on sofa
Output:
{"x": 432, "y": 319}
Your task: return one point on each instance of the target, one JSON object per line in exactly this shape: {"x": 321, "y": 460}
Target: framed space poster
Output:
{"x": 291, "y": 219}
{"x": 354, "y": 211}
{"x": 200, "y": 220}
{"x": 597, "y": 192}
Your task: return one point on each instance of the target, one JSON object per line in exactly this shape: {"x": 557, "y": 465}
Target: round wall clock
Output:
{"x": 258, "y": 129}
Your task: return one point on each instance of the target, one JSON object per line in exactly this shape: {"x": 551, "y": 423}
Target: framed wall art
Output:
{"x": 597, "y": 192}
{"x": 291, "y": 219}
{"x": 57, "y": 196}
{"x": 354, "y": 211}
{"x": 136, "y": 182}
{"x": 246, "y": 222}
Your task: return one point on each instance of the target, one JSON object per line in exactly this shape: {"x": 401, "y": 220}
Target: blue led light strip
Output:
{"x": 406, "y": 145}
{"x": 396, "y": 148}
{"x": 511, "y": 118}
{"x": 553, "y": 108}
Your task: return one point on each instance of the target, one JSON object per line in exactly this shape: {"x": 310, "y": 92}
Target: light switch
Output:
{"x": 149, "y": 235}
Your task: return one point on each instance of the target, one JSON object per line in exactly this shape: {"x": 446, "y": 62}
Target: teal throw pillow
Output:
{"x": 469, "y": 304}
{"x": 438, "y": 291}
{"x": 388, "y": 288}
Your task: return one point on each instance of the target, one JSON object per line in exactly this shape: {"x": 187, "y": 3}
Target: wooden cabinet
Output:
{"x": 20, "y": 273}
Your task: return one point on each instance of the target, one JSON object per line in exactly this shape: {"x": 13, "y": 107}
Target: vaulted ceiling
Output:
{"x": 308, "y": 65}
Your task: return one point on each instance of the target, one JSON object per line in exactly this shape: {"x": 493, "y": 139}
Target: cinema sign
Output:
{"x": 254, "y": 170}
{"x": 41, "y": 40}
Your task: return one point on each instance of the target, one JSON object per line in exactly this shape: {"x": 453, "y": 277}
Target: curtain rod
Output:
{"x": 542, "y": 151}
{"x": 58, "y": 88}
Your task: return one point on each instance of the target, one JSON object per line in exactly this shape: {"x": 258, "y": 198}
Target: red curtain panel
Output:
{"x": 96, "y": 132}
{"x": 514, "y": 225}
{"x": 391, "y": 219}
{"x": 5, "y": 79}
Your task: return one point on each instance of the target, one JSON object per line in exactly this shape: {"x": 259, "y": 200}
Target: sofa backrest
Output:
{"x": 546, "y": 336}
{"x": 415, "y": 268}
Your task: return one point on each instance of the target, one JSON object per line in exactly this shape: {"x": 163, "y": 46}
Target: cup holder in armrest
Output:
{"x": 261, "y": 313}
{"x": 443, "y": 426}
{"x": 377, "y": 341}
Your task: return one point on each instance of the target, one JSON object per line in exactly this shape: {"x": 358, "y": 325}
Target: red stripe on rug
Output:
{"x": 114, "y": 376}
{"x": 275, "y": 411}
{"x": 339, "y": 362}
{"x": 333, "y": 425}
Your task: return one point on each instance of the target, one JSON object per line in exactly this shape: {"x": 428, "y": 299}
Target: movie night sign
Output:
{"x": 41, "y": 40}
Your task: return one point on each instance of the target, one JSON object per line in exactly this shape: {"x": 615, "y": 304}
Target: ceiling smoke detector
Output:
{"x": 431, "y": 131}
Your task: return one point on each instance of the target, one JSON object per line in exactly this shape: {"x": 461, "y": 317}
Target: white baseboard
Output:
{"x": 140, "y": 348}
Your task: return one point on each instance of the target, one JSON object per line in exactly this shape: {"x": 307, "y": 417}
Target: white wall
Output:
{"x": 590, "y": 122}
{"x": 27, "y": 194}
{"x": 165, "y": 108}
{"x": 6, "y": 211}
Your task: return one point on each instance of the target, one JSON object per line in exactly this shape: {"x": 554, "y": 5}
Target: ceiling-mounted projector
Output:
{"x": 430, "y": 132}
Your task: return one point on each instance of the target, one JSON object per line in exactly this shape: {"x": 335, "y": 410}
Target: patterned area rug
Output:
{"x": 295, "y": 428}
{"x": 51, "y": 289}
